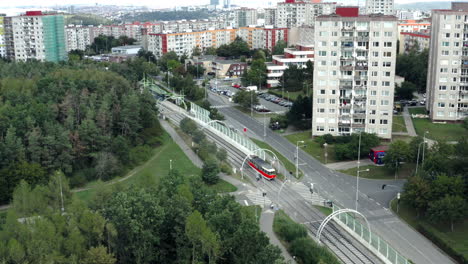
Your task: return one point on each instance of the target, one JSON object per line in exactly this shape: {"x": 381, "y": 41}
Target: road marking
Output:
{"x": 246, "y": 203}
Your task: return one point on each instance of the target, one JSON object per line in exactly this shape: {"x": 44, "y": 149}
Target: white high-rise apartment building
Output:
{"x": 3, "y": 49}
{"x": 386, "y": 7}
{"x": 78, "y": 37}
{"x": 245, "y": 17}
{"x": 292, "y": 13}
{"x": 354, "y": 73}
{"x": 447, "y": 75}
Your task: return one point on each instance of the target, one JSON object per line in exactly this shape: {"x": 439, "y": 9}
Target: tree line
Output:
{"x": 89, "y": 122}
{"x": 180, "y": 220}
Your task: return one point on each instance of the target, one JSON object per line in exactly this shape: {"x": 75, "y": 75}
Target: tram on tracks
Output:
{"x": 262, "y": 167}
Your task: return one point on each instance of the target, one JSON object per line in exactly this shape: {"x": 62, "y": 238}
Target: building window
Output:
{"x": 371, "y": 121}
{"x": 445, "y": 44}
{"x": 373, "y": 102}
{"x": 388, "y": 33}
{"x": 331, "y": 110}
{"x": 320, "y": 128}
{"x": 441, "y": 105}
{"x": 387, "y": 64}
{"x": 375, "y": 44}
{"x": 383, "y": 121}
{"x": 373, "y": 92}
{"x": 332, "y": 101}
{"x": 320, "y": 110}
{"x": 375, "y": 54}
{"x": 386, "y": 84}
{"x": 442, "y": 87}
{"x": 383, "y": 131}
{"x": 374, "y": 73}
{"x": 387, "y": 44}
{"x": 322, "y": 91}
{"x": 384, "y": 102}
{"x": 440, "y": 113}
{"x": 320, "y": 100}
{"x": 387, "y": 54}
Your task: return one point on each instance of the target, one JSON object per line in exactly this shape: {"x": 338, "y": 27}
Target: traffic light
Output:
{"x": 383, "y": 186}
{"x": 264, "y": 194}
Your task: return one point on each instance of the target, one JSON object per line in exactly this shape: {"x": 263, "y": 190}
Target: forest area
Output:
{"x": 62, "y": 125}
{"x": 78, "y": 118}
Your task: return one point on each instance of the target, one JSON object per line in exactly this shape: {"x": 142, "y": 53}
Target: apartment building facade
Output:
{"x": 413, "y": 26}
{"x": 354, "y": 73}
{"x": 447, "y": 76}
{"x": 3, "y": 49}
{"x": 35, "y": 35}
{"x": 78, "y": 37}
{"x": 270, "y": 16}
{"x": 298, "y": 56}
{"x": 414, "y": 40}
{"x": 245, "y": 17}
{"x": 385, "y": 7}
{"x": 184, "y": 42}
{"x": 292, "y": 13}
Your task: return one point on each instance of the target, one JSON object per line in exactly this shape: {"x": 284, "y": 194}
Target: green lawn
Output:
{"x": 417, "y": 110}
{"x": 439, "y": 132}
{"x": 325, "y": 210}
{"x": 398, "y": 124}
{"x": 287, "y": 164}
{"x": 158, "y": 165}
{"x": 457, "y": 239}
{"x": 223, "y": 187}
{"x": 382, "y": 173}
{"x": 312, "y": 147}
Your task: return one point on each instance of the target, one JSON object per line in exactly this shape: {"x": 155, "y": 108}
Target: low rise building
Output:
{"x": 411, "y": 26}
{"x": 414, "y": 40}
{"x": 127, "y": 50}
{"x": 298, "y": 56}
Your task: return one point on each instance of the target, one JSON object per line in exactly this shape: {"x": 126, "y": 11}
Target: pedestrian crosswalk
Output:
{"x": 257, "y": 198}
{"x": 305, "y": 193}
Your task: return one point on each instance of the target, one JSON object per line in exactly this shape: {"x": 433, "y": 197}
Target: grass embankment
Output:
{"x": 417, "y": 111}
{"x": 295, "y": 238}
{"x": 382, "y": 173}
{"x": 289, "y": 166}
{"x": 398, "y": 124}
{"x": 453, "y": 243}
{"x": 325, "y": 210}
{"x": 311, "y": 147}
{"x": 157, "y": 166}
{"x": 439, "y": 132}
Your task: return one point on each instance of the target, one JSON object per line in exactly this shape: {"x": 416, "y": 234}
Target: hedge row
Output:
{"x": 445, "y": 245}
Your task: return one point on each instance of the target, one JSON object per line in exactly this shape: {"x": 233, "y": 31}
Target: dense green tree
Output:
{"x": 246, "y": 99}
{"x": 188, "y": 126}
{"x": 278, "y": 49}
{"x": 413, "y": 66}
{"x": 417, "y": 193}
{"x": 256, "y": 74}
{"x": 300, "y": 112}
{"x": 99, "y": 255}
{"x": 450, "y": 209}
{"x": 398, "y": 152}
{"x": 405, "y": 91}
{"x": 210, "y": 171}
{"x": 210, "y": 51}
{"x": 235, "y": 49}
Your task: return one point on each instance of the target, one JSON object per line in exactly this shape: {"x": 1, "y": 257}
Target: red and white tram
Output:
{"x": 262, "y": 167}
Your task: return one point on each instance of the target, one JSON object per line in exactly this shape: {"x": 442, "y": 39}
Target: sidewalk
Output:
{"x": 344, "y": 165}
{"x": 409, "y": 123}
{"x": 266, "y": 219}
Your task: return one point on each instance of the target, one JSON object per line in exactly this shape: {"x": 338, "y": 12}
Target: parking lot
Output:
{"x": 267, "y": 101}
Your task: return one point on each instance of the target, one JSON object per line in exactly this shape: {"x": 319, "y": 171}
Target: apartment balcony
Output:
{"x": 463, "y": 109}
{"x": 362, "y": 38}
{"x": 348, "y": 29}
{"x": 360, "y": 87}
{"x": 346, "y": 67}
{"x": 345, "y": 106}
{"x": 360, "y": 115}
{"x": 346, "y": 85}
{"x": 347, "y": 38}
{"x": 346, "y": 97}
{"x": 362, "y": 58}
{"x": 361, "y": 67}
{"x": 360, "y": 97}
{"x": 342, "y": 58}
{"x": 463, "y": 92}
{"x": 344, "y": 122}
{"x": 347, "y": 48}
{"x": 358, "y": 125}
{"x": 361, "y": 78}
{"x": 464, "y": 65}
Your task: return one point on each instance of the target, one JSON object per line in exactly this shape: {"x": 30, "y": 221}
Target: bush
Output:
{"x": 289, "y": 231}
{"x": 329, "y": 139}
{"x": 432, "y": 235}
{"x": 342, "y": 151}
{"x": 320, "y": 141}
{"x": 222, "y": 155}
{"x": 225, "y": 168}
{"x": 188, "y": 126}
{"x": 139, "y": 154}
{"x": 198, "y": 136}
{"x": 281, "y": 119}
{"x": 78, "y": 179}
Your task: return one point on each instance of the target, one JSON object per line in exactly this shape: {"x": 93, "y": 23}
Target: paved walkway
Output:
{"x": 266, "y": 219}
{"x": 409, "y": 122}
{"x": 344, "y": 165}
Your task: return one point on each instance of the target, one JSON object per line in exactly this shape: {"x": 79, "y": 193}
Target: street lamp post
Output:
{"x": 357, "y": 187}
{"x": 297, "y": 157}
{"x": 424, "y": 147}
{"x": 326, "y": 153}
{"x": 417, "y": 158}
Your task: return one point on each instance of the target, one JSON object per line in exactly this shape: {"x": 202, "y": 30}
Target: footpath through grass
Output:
{"x": 289, "y": 166}
{"x": 398, "y": 124}
{"x": 382, "y": 173}
{"x": 439, "y": 132}
{"x": 453, "y": 243}
{"x": 153, "y": 169}
{"x": 312, "y": 147}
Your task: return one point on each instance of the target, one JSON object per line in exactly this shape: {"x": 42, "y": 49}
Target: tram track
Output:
{"x": 346, "y": 248}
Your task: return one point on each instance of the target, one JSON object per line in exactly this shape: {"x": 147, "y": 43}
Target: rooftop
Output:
{"x": 128, "y": 47}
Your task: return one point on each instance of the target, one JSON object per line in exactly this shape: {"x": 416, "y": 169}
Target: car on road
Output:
{"x": 236, "y": 85}
{"x": 413, "y": 103}
{"x": 422, "y": 102}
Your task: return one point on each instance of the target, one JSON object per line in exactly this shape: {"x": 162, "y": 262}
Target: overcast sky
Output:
{"x": 5, "y": 4}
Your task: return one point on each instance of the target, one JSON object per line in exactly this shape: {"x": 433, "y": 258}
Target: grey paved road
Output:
{"x": 341, "y": 188}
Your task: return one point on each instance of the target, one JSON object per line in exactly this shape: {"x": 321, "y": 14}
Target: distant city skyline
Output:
{"x": 169, "y": 4}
